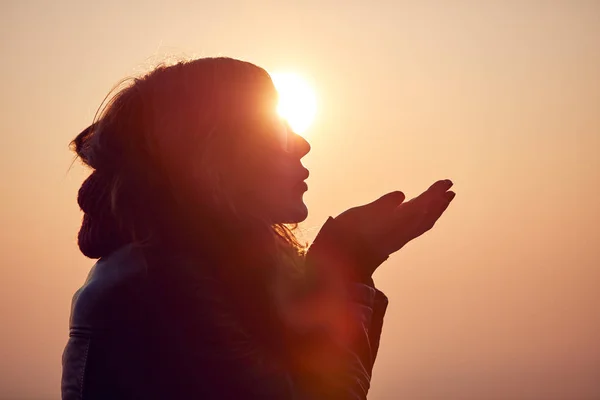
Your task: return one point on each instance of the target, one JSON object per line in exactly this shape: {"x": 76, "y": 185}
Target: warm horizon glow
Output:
{"x": 297, "y": 100}
{"x": 499, "y": 301}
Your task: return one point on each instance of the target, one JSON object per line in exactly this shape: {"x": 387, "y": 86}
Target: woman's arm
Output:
{"x": 332, "y": 360}
{"x": 341, "y": 256}
{"x": 320, "y": 364}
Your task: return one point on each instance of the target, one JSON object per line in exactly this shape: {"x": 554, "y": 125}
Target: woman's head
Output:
{"x": 198, "y": 142}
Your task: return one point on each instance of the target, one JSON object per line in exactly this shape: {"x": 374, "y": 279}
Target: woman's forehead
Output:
{"x": 255, "y": 101}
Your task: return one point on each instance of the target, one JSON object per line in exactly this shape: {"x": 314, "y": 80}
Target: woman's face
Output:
{"x": 267, "y": 177}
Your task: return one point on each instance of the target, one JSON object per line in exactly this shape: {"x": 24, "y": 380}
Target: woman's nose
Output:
{"x": 299, "y": 145}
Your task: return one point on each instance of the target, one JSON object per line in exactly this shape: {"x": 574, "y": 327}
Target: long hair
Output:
{"x": 158, "y": 146}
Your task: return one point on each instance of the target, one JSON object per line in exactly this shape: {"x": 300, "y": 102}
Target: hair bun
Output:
{"x": 99, "y": 234}
{"x": 93, "y": 195}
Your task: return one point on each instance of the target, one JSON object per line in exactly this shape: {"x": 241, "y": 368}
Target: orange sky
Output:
{"x": 500, "y": 301}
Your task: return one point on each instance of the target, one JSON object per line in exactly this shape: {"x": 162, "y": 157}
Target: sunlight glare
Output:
{"x": 297, "y": 101}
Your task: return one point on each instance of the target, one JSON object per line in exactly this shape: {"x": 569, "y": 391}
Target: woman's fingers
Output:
{"x": 389, "y": 201}
{"x": 432, "y": 194}
{"x": 418, "y": 215}
{"x": 439, "y": 187}
{"x": 440, "y": 205}
{"x": 427, "y": 208}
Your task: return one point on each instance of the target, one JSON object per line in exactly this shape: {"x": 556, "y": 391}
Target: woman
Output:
{"x": 201, "y": 290}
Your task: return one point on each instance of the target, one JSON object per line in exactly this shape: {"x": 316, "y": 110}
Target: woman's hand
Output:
{"x": 389, "y": 223}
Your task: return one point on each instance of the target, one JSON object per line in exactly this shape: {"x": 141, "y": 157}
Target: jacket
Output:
{"x": 143, "y": 333}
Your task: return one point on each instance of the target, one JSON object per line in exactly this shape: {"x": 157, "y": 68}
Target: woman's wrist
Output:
{"x": 348, "y": 250}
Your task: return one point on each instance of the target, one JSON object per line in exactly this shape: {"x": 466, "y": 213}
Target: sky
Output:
{"x": 501, "y": 300}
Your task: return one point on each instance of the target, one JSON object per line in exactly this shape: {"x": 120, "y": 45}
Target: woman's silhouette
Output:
{"x": 201, "y": 291}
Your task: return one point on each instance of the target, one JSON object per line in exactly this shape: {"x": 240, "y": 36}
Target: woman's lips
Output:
{"x": 302, "y": 176}
{"x": 301, "y": 186}
{"x": 305, "y": 174}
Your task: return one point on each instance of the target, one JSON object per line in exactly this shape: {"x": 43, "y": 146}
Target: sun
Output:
{"x": 297, "y": 100}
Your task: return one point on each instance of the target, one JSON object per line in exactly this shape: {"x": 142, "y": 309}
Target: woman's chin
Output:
{"x": 293, "y": 214}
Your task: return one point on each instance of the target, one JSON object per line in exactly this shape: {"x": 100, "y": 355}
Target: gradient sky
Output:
{"x": 501, "y": 300}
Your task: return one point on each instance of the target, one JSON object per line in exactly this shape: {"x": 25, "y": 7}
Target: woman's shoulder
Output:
{"x": 116, "y": 284}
